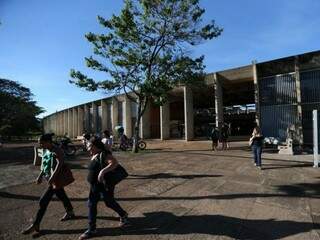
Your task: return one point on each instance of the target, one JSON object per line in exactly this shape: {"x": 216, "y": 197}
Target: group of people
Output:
{"x": 255, "y": 141}
{"x": 220, "y": 136}
{"x": 107, "y": 138}
{"x": 102, "y": 161}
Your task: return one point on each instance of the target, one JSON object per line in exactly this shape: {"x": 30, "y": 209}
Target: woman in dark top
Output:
{"x": 52, "y": 160}
{"x": 256, "y": 142}
{"x": 101, "y": 162}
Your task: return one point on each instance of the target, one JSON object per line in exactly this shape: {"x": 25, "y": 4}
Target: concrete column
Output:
{"x": 104, "y": 120}
{"x": 94, "y": 117}
{"x": 56, "y": 125}
{"x": 218, "y": 100}
{"x": 80, "y": 121}
{"x": 55, "y": 122}
{"x": 145, "y": 123}
{"x": 188, "y": 113}
{"x": 60, "y": 123}
{"x": 114, "y": 113}
{"x": 299, "y": 130}
{"x": 70, "y": 123}
{"x": 50, "y": 123}
{"x": 87, "y": 127}
{"x": 127, "y": 117}
{"x": 45, "y": 125}
{"x": 256, "y": 91}
{"x": 165, "y": 121}
{"x": 65, "y": 122}
{"x": 75, "y": 122}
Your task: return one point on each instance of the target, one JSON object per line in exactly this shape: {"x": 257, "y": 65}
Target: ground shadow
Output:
{"x": 301, "y": 189}
{"x": 170, "y": 175}
{"x": 310, "y": 190}
{"x": 280, "y": 166}
{"x": 162, "y": 223}
{"x": 219, "y": 154}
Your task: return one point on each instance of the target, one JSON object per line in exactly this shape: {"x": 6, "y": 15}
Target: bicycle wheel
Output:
{"x": 142, "y": 145}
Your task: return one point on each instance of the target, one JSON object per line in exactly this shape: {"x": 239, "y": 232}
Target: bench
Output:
{"x": 286, "y": 149}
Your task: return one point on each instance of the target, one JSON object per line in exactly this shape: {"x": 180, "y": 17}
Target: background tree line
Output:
{"x": 18, "y": 112}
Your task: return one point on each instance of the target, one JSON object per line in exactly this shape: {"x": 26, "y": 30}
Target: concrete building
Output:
{"x": 277, "y": 95}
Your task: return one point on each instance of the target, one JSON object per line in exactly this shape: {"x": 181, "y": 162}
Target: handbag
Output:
{"x": 115, "y": 176}
{"x": 63, "y": 178}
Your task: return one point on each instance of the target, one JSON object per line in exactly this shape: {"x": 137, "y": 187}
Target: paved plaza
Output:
{"x": 178, "y": 190}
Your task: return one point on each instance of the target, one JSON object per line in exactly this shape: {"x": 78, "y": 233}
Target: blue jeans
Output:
{"x": 257, "y": 151}
{"x": 96, "y": 191}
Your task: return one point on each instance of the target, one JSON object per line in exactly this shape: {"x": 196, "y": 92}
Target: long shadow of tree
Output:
{"x": 299, "y": 190}
{"x": 170, "y": 175}
{"x": 162, "y": 223}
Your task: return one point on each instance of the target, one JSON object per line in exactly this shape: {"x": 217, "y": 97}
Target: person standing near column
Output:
{"x": 224, "y": 136}
{"x": 214, "y": 138}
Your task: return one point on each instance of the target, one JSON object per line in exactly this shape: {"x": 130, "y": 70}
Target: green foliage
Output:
{"x": 17, "y": 110}
{"x": 144, "y": 49}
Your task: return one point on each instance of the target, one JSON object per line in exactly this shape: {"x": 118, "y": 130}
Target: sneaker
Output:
{"x": 31, "y": 229}
{"x": 68, "y": 216}
{"x": 88, "y": 234}
{"x": 124, "y": 221}
{"x": 259, "y": 167}
{"x": 255, "y": 164}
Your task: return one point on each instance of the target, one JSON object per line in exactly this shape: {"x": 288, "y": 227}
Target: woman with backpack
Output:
{"x": 102, "y": 162}
{"x": 51, "y": 167}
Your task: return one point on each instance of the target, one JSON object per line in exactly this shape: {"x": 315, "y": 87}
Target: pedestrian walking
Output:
{"x": 224, "y": 136}
{"x": 214, "y": 138}
{"x": 102, "y": 163}
{"x": 57, "y": 175}
{"x": 256, "y": 143}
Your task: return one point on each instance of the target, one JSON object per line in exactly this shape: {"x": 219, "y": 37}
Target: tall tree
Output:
{"x": 18, "y": 112}
{"x": 145, "y": 51}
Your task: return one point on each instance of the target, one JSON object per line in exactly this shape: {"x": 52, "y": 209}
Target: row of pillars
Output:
{"x": 75, "y": 121}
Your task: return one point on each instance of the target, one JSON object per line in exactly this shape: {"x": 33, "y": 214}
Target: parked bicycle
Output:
{"x": 127, "y": 144}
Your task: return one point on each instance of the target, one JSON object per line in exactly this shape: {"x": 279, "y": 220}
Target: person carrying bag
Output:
{"x": 113, "y": 177}
{"x": 104, "y": 173}
{"x": 57, "y": 175}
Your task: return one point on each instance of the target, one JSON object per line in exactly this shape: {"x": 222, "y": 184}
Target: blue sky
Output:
{"x": 41, "y": 40}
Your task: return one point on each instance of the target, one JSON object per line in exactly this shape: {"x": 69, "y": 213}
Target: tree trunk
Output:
{"x": 135, "y": 148}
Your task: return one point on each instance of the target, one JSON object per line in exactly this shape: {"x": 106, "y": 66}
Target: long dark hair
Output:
{"x": 96, "y": 141}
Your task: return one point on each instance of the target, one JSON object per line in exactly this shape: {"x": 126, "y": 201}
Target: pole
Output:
{"x": 315, "y": 139}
